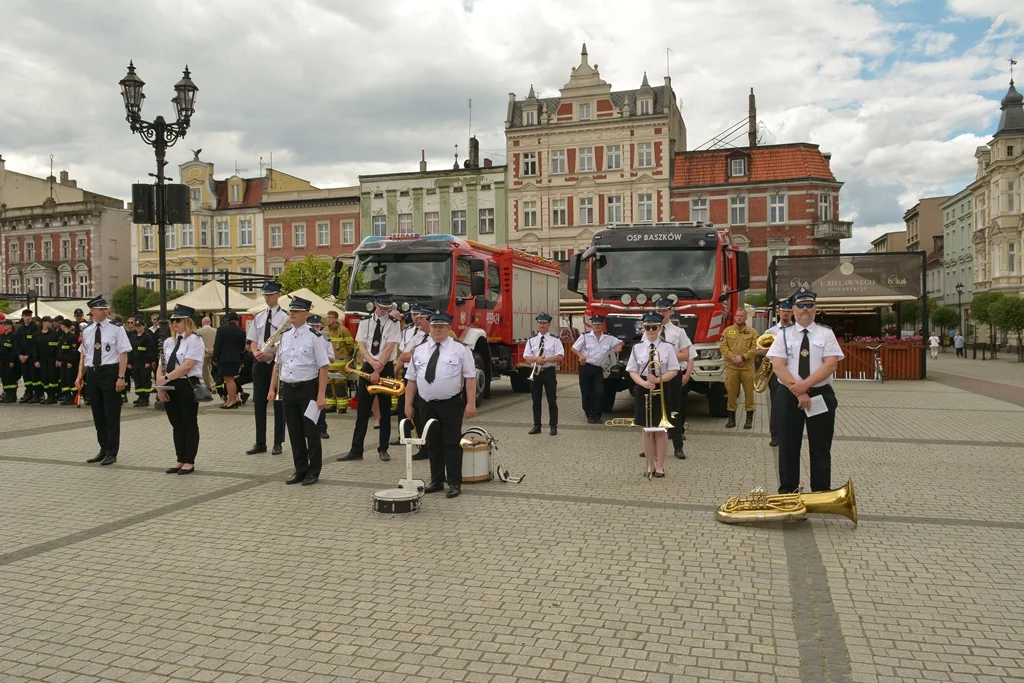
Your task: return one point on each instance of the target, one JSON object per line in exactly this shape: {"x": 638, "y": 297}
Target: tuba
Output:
{"x": 764, "y": 373}
{"x": 388, "y": 385}
{"x": 761, "y": 507}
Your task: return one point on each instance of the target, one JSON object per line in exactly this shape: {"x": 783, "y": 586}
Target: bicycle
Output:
{"x": 879, "y": 370}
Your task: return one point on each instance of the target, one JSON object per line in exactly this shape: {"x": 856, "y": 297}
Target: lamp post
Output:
{"x": 959, "y": 302}
{"x": 160, "y": 135}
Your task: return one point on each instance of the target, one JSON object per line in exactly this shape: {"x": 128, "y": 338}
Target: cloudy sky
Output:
{"x": 900, "y": 91}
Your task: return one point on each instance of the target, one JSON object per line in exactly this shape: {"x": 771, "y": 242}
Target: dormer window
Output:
{"x": 1009, "y": 151}
{"x": 530, "y": 118}
{"x": 584, "y": 111}
{"x": 234, "y": 194}
{"x": 737, "y": 168}
{"x": 643, "y": 107}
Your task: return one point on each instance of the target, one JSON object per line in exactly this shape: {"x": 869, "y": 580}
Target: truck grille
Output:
{"x": 628, "y": 328}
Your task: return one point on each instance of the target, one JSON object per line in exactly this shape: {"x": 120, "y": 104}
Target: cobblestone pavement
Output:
{"x": 586, "y": 571}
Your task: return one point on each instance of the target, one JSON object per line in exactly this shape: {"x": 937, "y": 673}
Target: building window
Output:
{"x": 234, "y": 194}
{"x": 431, "y": 190}
{"x": 559, "y": 255}
{"x": 188, "y": 235}
{"x": 485, "y": 187}
{"x": 15, "y": 285}
{"x": 247, "y": 287}
{"x": 204, "y": 234}
{"x": 529, "y": 214}
{"x": 65, "y": 244}
{"x": 645, "y": 155}
{"x": 774, "y": 252}
{"x": 432, "y": 219}
{"x": 737, "y": 210}
{"x": 245, "y": 233}
{"x": 223, "y": 236}
{"x": 48, "y": 250}
{"x": 323, "y": 234}
{"x": 531, "y": 118}
{"x": 643, "y": 106}
{"x": 486, "y": 221}
{"x": 403, "y": 193}
{"x": 67, "y": 289}
{"x": 30, "y": 251}
{"x": 529, "y": 163}
{"x": 378, "y": 195}
{"x": 645, "y": 207}
{"x": 459, "y": 222}
{"x": 613, "y": 157}
{"x": 586, "y": 210}
{"x": 586, "y": 159}
{"x": 1009, "y": 151}
{"x": 299, "y": 235}
{"x": 558, "y": 161}
{"x": 348, "y": 232}
{"x": 380, "y": 226}
{"x": 405, "y": 222}
{"x": 824, "y": 207}
{"x": 458, "y": 188}
{"x": 584, "y": 111}
{"x": 83, "y": 285}
{"x": 777, "y": 208}
{"x": 1011, "y": 261}
{"x": 1009, "y": 195}
{"x": 171, "y": 236}
{"x": 37, "y": 286}
{"x": 188, "y": 285}
{"x": 613, "y": 212}
{"x": 197, "y": 197}
{"x": 737, "y": 168}
{"x": 558, "y": 213}
{"x": 14, "y": 253}
{"x": 275, "y": 271}
{"x": 276, "y": 241}
{"x": 699, "y": 210}
{"x": 81, "y": 248}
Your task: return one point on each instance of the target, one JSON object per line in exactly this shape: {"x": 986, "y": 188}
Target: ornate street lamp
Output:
{"x": 960, "y": 310}
{"x": 159, "y": 135}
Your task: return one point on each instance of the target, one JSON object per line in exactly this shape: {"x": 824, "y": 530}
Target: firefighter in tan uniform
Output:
{"x": 739, "y": 348}
{"x": 343, "y": 345}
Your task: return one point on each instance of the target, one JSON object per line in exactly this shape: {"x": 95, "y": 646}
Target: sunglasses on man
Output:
{"x": 651, "y": 327}
{"x": 805, "y": 304}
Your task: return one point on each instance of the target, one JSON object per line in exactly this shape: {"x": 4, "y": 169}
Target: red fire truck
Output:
{"x": 491, "y": 293}
{"x": 694, "y": 264}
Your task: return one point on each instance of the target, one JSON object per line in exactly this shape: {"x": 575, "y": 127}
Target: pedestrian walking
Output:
{"x": 958, "y": 344}
{"x": 209, "y": 336}
{"x": 933, "y": 345}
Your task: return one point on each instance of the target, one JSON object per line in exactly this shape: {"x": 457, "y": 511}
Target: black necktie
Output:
{"x": 172, "y": 362}
{"x": 97, "y": 348}
{"x": 378, "y": 333}
{"x": 541, "y": 351}
{"x": 266, "y": 328}
{"x": 432, "y": 364}
{"x": 650, "y": 357}
{"x": 804, "y": 369}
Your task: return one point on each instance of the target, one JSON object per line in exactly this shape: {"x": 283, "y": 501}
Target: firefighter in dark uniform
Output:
{"x": 47, "y": 341}
{"x": 25, "y": 347}
{"x": 143, "y": 361}
{"x": 9, "y": 367}
{"x": 67, "y": 359}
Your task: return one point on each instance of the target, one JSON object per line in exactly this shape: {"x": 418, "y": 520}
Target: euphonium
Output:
{"x": 388, "y": 385}
{"x": 761, "y": 507}
{"x": 764, "y": 373}
{"x": 275, "y": 338}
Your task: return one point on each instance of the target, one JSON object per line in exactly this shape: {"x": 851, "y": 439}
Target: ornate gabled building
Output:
{"x": 588, "y": 157}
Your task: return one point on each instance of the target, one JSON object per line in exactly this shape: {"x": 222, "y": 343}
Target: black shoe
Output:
{"x": 172, "y": 470}
{"x": 310, "y": 480}
{"x": 773, "y": 443}
{"x": 535, "y": 430}
{"x": 642, "y": 454}
{"x": 324, "y": 435}
{"x": 749, "y": 424}
{"x": 683, "y": 437}
{"x": 680, "y": 454}
{"x": 26, "y": 398}
{"x": 257, "y": 448}
{"x": 732, "y": 420}
{"x": 658, "y": 475}
{"x": 276, "y": 450}
{"x": 245, "y": 397}
{"x": 433, "y": 487}
{"x": 554, "y": 431}
{"x": 420, "y": 455}
{"x": 384, "y": 455}
{"x": 109, "y": 460}
{"x": 453, "y": 491}
{"x": 52, "y": 401}
{"x": 188, "y": 471}
{"x": 98, "y": 457}
{"x": 296, "y": 479}
{"x": 33, "y": 399}
{"x": 351, "y": 455}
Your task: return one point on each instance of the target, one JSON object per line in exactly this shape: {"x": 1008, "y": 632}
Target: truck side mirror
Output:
{"x": 573, "y": 273}
{"x": 742, "y": 270}
{"x": 336, "y": 281}
{"x": 476, "y": 265}
{"x": 477, "y": 285}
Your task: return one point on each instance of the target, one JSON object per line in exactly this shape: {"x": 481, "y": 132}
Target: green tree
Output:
{"x": 888, "y": 319}
{"x": 121, "y": 299}
{"x": 1008, "y": 313}
{"x": 981, "y": 310}
{"x": 312, "y": 273}
{"x": 758, "y": 300}
{"x": 946, "y": 317}
{"x": 910, "y": 313}
{"x": 5, "y": 306}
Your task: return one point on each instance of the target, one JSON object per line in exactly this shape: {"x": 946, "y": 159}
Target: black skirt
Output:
{"x": 640, "y": 408}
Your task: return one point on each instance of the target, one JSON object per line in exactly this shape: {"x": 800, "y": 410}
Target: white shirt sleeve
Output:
{"x": 468, "y": 362}
{"x": 670, "y": 361}
{"x": 556, "y": 348}
{"x": 250, "y": 334}
{"x": 631, "y": 364}
{"x": 832, "y": 348}
{"x": 363, "y": 331}
{"x": 320, "y": 353}
{"x": 121, "y": 340}
{"x": 392, "y": 333}
{"x": 778, "y": 347}
{"x": 578, "y": 344}
{"x": 195, "y": 349}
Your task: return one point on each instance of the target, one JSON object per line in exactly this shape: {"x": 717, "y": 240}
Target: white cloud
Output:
{"x": 933, "y": 43}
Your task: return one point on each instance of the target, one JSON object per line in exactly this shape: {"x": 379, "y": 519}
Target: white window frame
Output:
{"x": 14, "y": 252}
{"x": 459, "y": 222}
{"x": 187, "y": 286}
{"x": 1011, "y": 258}
{"x": 613, "y": 152}
{"x": 585, "y": 154}
{"x": 236, "y": 192}
{"x": 530, "y": 117}
{"x": 299, "y": 235}
{"x": 276, "y": 270}
{"x": 276, "y": 237}
{"x": 645, "y": 207}
{"x": 1010, "y": 196}
{"x": 246, "y": 234}
{"x": 559, "y": 213}
{"x": 82, "y": 247}
{"x": 529, "y": 164}
{"x": 348, "y": 232}
{"x": 380, "y": 226}
{"x": 699, "y": 209}
{"x": 323, "y": 234}
{"x": 737, "y": 168}
{"x": 644, "y": 106}
{"x": 30, "y": 250}
{"x": 584, "y": 111}
{"x": 776, "y": 208}
{"x": 67, "y": 285}
{"x": 613, "y": 209}
{"x": 405, "y": 223}
{"x": 188, "y": 236}
{"x": 47, "y": 254}
{"x": 486, "y": 221}
{"x": 432, "y": 223}
{"x": 65, "y": 245}
{"x": 530, "y": 221}
{"x": 204, "y": 233}
{"x": 645, "y": 155}
{"x": 222, "y": 234}
{"x": 558, "y": 162}
{"x": 559, "y": 255}
{"x": 586, "y": 208}
{"x": 824, "y": 207}
{"x": 82, "y": 279}
{"x": 196, "y": 195}
{"x": 171, "y": 238}
{"x": 247, "y": 286}
{"x": 738, "y": 210}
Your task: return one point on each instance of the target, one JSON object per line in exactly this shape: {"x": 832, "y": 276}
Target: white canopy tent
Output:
{"x": 209, "y": 298}
{"x": 321, "y": 306}
{"x": 55, "y": 308}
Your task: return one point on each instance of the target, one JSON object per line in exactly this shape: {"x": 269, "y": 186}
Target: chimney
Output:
{"x": 423, "y": 161}
{"x": 474, "y": 152}
{"x": 63, "y": 177}
{"x": 488, "y": 163}
{"x": 752, "y": 121}
{"x": 828, "y": 158}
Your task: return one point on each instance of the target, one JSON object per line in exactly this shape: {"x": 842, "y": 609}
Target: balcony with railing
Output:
{"x": 832, "y": 230}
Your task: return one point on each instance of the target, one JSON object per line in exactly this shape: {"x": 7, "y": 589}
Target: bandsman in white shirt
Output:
{"x": 104, "y": 359}
{"x": 674, "y": 391}
{"x": 436, "y": 373}
{"x": 785, "y": 320}
{"x": 546, "y": 351}
{"x": 594, "y": 349}
{"x": 654, "y": 439}
{"x": 378, "y": 337}
{"x": 302, "y": 379}
{"x": 804, "y": 358}
{"x": 181, "y": 368}
{"x": 261, "y": 329}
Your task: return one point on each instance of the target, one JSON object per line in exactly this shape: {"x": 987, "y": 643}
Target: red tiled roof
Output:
{"x": 767, "y": 164}
{"x": 251, "y": 198}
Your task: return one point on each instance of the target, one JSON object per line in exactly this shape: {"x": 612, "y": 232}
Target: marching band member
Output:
{"x": 315, "y": 323}
{"x": 342, "y": 342}
{"x": 593, "y": 349}
{"x": 738, "y": 348}
{"x": 104, "y": 356}
{"x": 436, "y": 374}
{"x": 183, "y": 354}
{"x": 263, "y": 326}
{"x": 378, "y": 337}
{"x": 680, "y": 341}
{"x": 302, "y": 378}
{"x": 804, "y": 358}
{"x": 546, "y": 351}
{"x": 785, "y": 320}
{"x": 655, "y": 442}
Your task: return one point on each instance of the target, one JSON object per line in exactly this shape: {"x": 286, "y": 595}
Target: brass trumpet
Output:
{"x": 764, "y": 373}
{"x": 388, "y": 385}
{"x": 758, "y": 506}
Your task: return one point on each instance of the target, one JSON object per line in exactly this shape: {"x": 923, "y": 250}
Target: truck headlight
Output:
{"x": 709, "y": 354}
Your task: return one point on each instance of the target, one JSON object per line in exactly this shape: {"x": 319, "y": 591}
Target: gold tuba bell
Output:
{"x": 764, "y": 373}
{"x": 761, "y": 507}
{"x": 390, "y": 386}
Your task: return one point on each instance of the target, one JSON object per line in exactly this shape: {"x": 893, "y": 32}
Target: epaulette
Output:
{"x": 318, "y": 334}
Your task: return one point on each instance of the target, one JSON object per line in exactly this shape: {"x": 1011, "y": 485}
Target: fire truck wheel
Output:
{"x": 717, "y": 400}
{"x": 482, "y": 386}
{"x": 520, "y": 382}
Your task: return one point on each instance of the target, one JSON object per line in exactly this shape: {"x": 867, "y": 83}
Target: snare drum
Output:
{"x": 477, "y": 459}
{"x": 396, "y": 501}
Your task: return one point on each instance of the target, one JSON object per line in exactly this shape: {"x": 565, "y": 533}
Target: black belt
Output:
{"x": 102, "y": 367}
{"x": 815, "y": 391}
{"x": 303, "y": 383}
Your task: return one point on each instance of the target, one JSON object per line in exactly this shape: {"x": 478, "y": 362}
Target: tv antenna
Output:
{"x": 239, "y": 171}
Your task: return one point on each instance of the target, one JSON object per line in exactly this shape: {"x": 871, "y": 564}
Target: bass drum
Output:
{"x": 393, "y": 502}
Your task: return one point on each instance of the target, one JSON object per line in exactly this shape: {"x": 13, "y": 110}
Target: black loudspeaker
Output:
{"x": 176, "y": 204}
{"x": 143, "y": 204}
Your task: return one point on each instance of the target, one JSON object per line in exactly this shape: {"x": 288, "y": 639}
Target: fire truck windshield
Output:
{"x": 685, "y": 272}
{"x": 410, "y": 276}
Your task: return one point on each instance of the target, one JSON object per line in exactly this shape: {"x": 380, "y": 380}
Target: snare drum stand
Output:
{"x": 409, "y": 483}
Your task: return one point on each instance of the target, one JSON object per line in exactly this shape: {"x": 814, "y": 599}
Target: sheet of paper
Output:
{"x": 817, "y": 406}
{"x": 312, "y": 412}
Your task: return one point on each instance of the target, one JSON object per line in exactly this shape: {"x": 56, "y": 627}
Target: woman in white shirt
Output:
{"x": 653, "y": 438}
{"x": 933, "y": 342}
{"x": 181, "y": 368}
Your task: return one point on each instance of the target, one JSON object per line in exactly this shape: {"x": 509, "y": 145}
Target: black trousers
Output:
{"x": 417, "y": 413}
{"x": 30, "y": 375}
{"x": 105, "y": 402}
{"x": 183, "y": 414}
{"x": 366, "y": 409}
{"x": 261, "y": 374}
{"x": 674, "y": 404}
{"x": 68, "y": 373}
{"x": 443, "y": 447}
{"x": 143, "y": 380}
{"x": 49, "y": 375}
{"x": 546, "y": 381}
{"x": 592, "y": 389}
{"x": 303, "y": 434}
{"x": 9, "y": 377}
{"x": 773, "y": 414}
{"x": 820, "y": 430}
